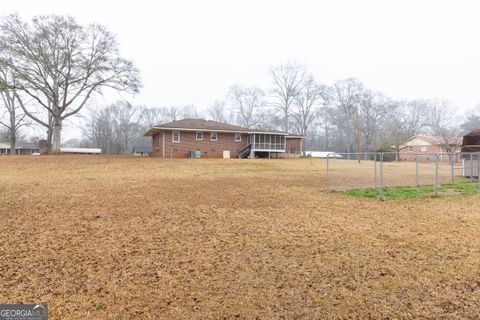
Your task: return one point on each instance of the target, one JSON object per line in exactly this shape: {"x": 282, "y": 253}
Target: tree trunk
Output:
{"x": 13, "y": 142}
{"x": 49, "y": 140}
{"x": 13, "y": 133}
{"x": 56, "y": 137}
{"x": 286, "y": 120}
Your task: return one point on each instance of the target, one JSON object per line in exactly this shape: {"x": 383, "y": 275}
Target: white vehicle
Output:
{"x": 323, "y": 154}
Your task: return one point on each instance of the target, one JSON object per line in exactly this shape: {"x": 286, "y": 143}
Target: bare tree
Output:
{"x": 440, "y": 116}
{"x": 154, "y": 116}
{"x": 375, "y": 107}
{"x": 66, "y": 62}
{"x": 217, "y": 111}
{"x": 177, "y": 113}
{"x": 116, "y": 128}
{"x": 10, "y": 100}
{"x": 307, "y": 105}
{"x": 99, "y": 130}
{"x": 288, "y": 80}
{"x": 246, "y": 102}
{"x": 345, "y": 99}
{"x": 409, "y": 119}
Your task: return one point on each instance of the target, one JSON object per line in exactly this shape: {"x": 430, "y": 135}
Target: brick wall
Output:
{"x": 425, "y": 153}
{"x": 188, "y": 142}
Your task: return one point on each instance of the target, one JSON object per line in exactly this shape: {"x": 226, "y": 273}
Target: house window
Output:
{"x": 176, "y": 136}
{"x": 213, "y": 136}
{"x": 199, "y": 135}
{"x": 238, "y": 137}
{"x": 410, "y": 148}
{"x": 423, "y": 148}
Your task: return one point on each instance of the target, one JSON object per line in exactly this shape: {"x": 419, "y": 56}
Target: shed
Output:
{"x": 471, "y": 141}
{"x": 470, "y": 147}
{"x": 142, "y": 151}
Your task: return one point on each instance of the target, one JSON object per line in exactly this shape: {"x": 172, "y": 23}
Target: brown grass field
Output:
{"x": 144, "y": 238}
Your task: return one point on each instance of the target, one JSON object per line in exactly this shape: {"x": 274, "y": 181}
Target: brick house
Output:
{"x": 426, "y": 146}
{"x": 212, "y": 139}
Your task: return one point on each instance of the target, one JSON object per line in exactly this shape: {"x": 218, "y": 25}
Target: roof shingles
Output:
{"x": 201, "y": 124}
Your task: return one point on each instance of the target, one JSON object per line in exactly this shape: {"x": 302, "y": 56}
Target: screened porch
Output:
{"x": 267, "y": 142}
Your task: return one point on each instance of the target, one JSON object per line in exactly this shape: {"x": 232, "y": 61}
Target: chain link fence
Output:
{"x": 378, "y": 171}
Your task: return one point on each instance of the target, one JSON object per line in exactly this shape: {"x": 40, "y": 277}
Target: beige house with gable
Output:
{"x": 426, "y": 146}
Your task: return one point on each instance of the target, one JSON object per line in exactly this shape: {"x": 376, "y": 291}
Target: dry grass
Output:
{"x": 142, "y": 238}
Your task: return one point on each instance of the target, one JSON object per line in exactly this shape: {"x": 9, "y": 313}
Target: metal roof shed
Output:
{"x": 471, "y": 141}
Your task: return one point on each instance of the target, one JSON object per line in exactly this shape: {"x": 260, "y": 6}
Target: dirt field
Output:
{"x": 143, "y": 238}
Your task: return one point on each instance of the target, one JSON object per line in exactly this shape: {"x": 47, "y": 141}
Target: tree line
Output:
{"x": 51, "y": 66}
{"x": 345, "y": 116}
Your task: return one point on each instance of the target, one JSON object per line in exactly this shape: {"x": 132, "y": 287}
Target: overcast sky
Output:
{"x": 190, "y": 52}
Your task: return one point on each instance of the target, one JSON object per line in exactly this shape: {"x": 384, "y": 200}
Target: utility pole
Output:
{"x": 357, "y": 132}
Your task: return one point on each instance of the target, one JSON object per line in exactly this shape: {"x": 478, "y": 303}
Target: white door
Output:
{"x": 226, "y": 154}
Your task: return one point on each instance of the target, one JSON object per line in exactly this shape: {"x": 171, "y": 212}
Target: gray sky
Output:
{"x": 190, "y": 52}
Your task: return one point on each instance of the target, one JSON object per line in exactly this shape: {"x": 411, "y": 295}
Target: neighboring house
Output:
{"x": 425, "y": 147}
{"x": 212, "y": 139}
{"x": 142, "y": 151}
{"x": 21, "y": 148}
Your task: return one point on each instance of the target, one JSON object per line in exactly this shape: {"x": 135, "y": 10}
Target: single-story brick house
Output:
{"x": 212, "y": 139}
{"x": 426, "y": 146}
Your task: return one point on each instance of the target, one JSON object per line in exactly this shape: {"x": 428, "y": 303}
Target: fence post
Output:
{"x": 452, "y": 173}
{"x": 416, "y": 170}
{"x": 328, "y": 173}
{"x": 375, "y": 169}
{"x": 471, "y": 167}
{"x": 478, "y": 171}
{"x": 381, "y": 178}
{"x": 436, "y": 175}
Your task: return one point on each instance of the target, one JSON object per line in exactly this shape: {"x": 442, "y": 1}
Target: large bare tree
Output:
{"x": 61, "y": 64}
{"x": 288, "y": 80}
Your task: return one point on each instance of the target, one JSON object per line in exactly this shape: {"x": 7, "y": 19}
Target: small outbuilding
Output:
{"x": 141, "y": 151}
{"x": 471, "y": 153}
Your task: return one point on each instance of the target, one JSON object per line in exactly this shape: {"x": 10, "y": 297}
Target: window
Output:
{"x": 213, "y": 136}
{"x": 199, "y": 135}
{"x": 176, "y": 136}
{"x": 423, "y": 148}
{"x": 238, "y": 137}
{"x": 410, "y": 148}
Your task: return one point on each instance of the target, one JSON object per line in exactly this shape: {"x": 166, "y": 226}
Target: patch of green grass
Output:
{"x": 464, "y": 189}
{"x": 320, "y": 303}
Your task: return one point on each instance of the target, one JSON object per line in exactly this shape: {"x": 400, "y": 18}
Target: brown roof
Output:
{"x": 439, "y": 139}
{"x": 473, "y": 133}
{"x": 471, "y": 141}
{"x": 207, "y": 125}
{"x": 201, "y": 124}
